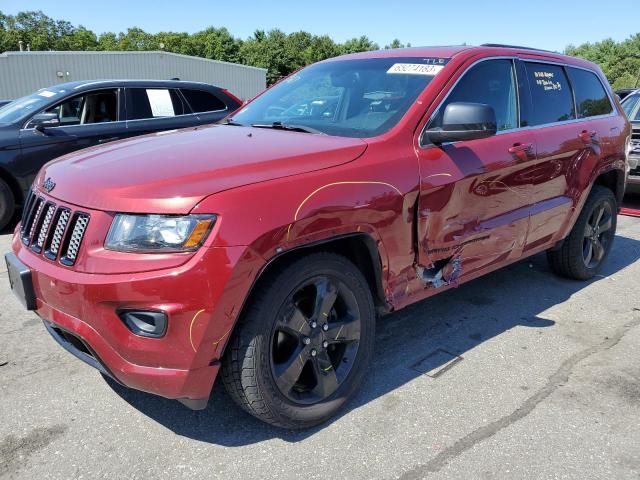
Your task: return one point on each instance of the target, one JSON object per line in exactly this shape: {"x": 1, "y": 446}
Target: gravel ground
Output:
{"x": 516, "y": 375}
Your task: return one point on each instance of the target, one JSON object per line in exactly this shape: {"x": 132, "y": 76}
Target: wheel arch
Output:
{"x": 13, "y": 185}
{"x": 614, "y": 180}
{"x": 360, "y": 248}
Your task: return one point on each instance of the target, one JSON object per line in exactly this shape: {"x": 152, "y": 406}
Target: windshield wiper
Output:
{"x": 286, "y": 126}
{"x": 230, "y": 121}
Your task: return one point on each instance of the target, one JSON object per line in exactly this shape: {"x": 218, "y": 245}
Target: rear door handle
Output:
{"x": 521, "y": 150}
{"x": 110, "y": 139}
{"x": 588, "y": 137}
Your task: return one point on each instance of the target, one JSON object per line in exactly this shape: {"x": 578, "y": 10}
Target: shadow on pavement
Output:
{"x": 455, "y": 321}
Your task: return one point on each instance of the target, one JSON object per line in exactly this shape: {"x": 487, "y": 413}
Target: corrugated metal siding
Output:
{"x": 24, "y": 73}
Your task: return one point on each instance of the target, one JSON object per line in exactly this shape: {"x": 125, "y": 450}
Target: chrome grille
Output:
{"x": 32, "y": 221}
{"x": 44, "y": 227}
{"x": 56, "y": 230}
{"x": 53, "y": 246}
{"x": 81, "y": 221}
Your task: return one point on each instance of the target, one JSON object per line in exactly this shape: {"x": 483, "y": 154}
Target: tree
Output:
{"x": 395, "y": 44}
{"x": 620, "y": 61}
{"x": 362, "y": 44}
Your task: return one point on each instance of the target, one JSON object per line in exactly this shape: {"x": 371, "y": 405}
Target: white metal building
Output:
{"x": 22, "y": 73}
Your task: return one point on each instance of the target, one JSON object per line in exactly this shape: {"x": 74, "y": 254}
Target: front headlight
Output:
{"x": 158, "y": 233}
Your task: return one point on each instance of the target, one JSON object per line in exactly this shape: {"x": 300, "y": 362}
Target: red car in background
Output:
{"x": 264, "y": 248}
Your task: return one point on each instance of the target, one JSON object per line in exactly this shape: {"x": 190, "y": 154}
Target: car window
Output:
{"x": 550, "y": 94}
{"x": 591, "y": 97}
{"x": 95, "y": 107}
{"x": 630, "y": 106}
{"x": 201, "y": 101}
{"x": 491, "y": 82}
{"x": 144, "y": 103}
{"x": 350, "y": 98}
{"x": 26, "y": 106}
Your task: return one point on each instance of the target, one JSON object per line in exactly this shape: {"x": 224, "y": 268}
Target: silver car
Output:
{"x": 631, "y": 106}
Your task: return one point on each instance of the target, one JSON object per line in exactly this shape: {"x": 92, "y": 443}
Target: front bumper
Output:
{"x": 80, "y": 311}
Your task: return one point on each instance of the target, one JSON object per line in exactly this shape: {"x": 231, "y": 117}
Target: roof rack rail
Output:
{"x": 500, "y": 45}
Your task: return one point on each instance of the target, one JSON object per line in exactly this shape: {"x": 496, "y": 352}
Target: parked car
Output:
{"x": 4, "y": 102}
{"x": 631, "y": 107}
{"x": 625, "y": 92}
{"x": 263, "y": 248}
{"x": 70, "y": 116}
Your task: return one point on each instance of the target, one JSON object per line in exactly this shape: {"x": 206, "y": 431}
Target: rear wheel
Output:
{"x": 585, "y": 249}
{"x": 7, "y": 204}
{"x": 303, "y": 345}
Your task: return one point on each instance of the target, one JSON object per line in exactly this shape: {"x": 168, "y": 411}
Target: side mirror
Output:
{"x": 44, "y": 120}
{"x": 464, "y": 121}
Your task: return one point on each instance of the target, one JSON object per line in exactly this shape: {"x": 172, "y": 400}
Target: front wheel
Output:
{"x": 304, "y": 342}
{"x": 7, "y": 204}
{"x": 585, "y": 249}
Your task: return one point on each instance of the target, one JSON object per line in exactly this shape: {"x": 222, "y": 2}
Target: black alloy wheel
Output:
{"x": 598, "y": 234}
{"x": 315, "y": 340}
{"x": 303, "y": 343}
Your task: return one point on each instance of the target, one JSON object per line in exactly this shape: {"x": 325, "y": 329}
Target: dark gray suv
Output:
{"x": 67, "y": 117}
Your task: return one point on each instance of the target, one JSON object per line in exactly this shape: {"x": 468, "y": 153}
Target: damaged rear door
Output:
{"x": 474, "y": 195}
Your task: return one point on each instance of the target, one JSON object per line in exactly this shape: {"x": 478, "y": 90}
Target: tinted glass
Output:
{"x": 95, "y": 107}
{"x": 201, "y": 101}
{"x": 349, "y": 98}
{"x": 629, "y": 105}
{"x": 492, "y": 83}
{"x": 143, "y": 103}
{"x": 591, "y": 97}
{"x": 550, "y": 93}
{"x": 29, "y": 105}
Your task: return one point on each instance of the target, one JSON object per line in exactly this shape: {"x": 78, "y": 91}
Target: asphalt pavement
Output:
{"x": 518, "y": 375}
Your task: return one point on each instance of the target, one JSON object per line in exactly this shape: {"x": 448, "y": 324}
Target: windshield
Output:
{"x": 347, "y": 98}
{"x": 629, "y": 105}
{"x": 24, "y": 106}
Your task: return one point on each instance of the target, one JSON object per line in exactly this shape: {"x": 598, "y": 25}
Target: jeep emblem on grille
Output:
{"x": 49, "y": 184}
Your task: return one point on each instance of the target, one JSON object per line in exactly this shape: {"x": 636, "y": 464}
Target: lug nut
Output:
{"x": 325, "y": 344}
{"x": 307, "y": 340}
{"x": 313, "y": 352}
{"x": 314, "y": 324}
{"x": 325, "y": 327}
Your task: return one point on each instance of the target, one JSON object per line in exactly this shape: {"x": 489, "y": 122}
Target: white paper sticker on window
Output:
{"x": 46, "y": 93}
{"x": 415, "y": 69}
{"x": 160, "y": 101}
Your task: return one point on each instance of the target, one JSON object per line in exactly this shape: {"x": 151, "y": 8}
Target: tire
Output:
{"x": 585, "y": 249}
{"x": 320, "y": 303}
{"x": 7, "y": 204}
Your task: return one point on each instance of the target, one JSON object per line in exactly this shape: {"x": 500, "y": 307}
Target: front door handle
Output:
{"x": 110, "y": 139}
{"x": 588, "y": 137}
{"x": 521, "y": 150}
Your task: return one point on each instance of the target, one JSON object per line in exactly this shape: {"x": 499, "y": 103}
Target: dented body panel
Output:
{"x": 437, "y": 215}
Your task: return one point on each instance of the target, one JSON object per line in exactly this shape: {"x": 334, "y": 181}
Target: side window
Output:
{"x": 629, "y": 105}
{"x": 201, "y": 101}
{"x": 95, "y": 107}
{"x": 491, "y": 82}
{"x": 550, "y": 94}
{"x": 591, "y": 97}
{"x": 145, "y": 103}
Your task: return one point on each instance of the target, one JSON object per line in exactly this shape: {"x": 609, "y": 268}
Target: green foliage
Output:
{"x": 620, "y": 61}
{"x": 278, "y": 52}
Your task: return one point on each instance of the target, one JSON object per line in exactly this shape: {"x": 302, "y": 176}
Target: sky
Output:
{"x": 546, "y": 24}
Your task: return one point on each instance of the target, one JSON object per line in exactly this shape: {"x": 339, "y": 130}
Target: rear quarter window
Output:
{"x": 591, "y": 97}
{"x": 550, "y": 94}
{"x": 145, "y": 103}
{"x": 201, "y": 101}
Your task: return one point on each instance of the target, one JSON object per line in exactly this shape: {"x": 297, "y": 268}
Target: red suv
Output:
{"x": 266, "y": 247}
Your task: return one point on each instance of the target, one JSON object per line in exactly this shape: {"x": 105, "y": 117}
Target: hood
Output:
{"x": 170, "y": 172}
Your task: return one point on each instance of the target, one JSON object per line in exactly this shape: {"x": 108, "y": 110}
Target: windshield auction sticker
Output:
{"x": 415, "y": 69}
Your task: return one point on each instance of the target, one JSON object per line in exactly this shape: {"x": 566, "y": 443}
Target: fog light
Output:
{"x": 144, "y": 322}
